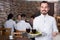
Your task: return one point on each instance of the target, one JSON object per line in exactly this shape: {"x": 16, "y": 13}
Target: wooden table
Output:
{"x": 7, "y": 38}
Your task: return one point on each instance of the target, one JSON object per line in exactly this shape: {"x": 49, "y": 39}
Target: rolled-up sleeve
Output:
{"x": 54, "y": 25}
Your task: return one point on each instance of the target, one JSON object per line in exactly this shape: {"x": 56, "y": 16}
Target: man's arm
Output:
{"x": 55, "y": 29}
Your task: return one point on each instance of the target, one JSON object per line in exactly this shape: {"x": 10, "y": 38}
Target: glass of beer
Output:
{"x": 34, "y": 31}
{"x": 27, "y": 30}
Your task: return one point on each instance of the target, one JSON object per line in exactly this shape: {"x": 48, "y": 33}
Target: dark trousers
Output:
{"x": 32, "y": 38}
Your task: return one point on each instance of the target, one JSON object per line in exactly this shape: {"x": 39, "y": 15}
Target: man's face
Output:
{"x": 19, "y": 17}
{"x": 44, "y": 8}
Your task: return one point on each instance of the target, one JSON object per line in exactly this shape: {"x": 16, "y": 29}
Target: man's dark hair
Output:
{"x": 33, "y": 16}
{"x": 45, "y": 2}
{"x": 23, "y": 15}
{"x": 10, "y": 16}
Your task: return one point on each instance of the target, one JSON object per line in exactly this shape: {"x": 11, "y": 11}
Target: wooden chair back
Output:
{"x": 7, "y": 31}
{"x": 1, "y": 31}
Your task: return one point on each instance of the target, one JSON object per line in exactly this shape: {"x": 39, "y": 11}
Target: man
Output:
{"x": 45, "y": 23}
{"x": 31, "y": 20}
{"x": 22, "y": 25}
{"x": 18, "y": 18}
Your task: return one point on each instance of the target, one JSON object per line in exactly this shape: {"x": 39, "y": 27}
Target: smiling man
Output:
{"x": 45, "y": 23}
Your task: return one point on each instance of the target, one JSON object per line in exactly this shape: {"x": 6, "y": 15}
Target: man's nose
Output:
{"x": 44, "y": 8}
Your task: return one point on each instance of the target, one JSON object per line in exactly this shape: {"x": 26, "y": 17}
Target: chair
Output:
{"x": 7, "y": 31}
{"x": 20, "y": 31}
{"x": 1, "y": 31}
{"x": 17, "y": 34}
{"x": 58, "y": 22}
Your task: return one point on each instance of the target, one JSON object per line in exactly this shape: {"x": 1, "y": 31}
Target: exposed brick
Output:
{"x": 17, "y": 6}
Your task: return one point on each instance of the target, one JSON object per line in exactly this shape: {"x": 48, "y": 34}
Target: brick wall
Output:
{"x": 4, "y": 11}
{"x": 16, "y": 7}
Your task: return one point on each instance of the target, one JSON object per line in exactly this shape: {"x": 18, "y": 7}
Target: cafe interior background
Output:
{"x": 29, "y": 7}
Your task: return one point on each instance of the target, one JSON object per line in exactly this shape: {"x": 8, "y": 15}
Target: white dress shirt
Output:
{"x": 46, "y": 24}
{"x": 10, "y": 24}
{"x": 22, "y": 25}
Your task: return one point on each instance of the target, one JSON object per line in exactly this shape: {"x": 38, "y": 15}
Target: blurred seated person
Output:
{"x": 22, "y": 25}
{"x": 31, "y": 20}
{"x": 31, "y": 23}
{"x": 18, "y": 18}
{"x": 10, "y": 23}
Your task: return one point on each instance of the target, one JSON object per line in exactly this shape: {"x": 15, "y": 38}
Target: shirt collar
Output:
{"x": 10, "y": 19}
{"x": 44, "y": 15}
{"x": 22, "y": 21}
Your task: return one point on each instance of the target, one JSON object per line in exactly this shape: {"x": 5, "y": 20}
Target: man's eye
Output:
{"x": 41, "y": 7}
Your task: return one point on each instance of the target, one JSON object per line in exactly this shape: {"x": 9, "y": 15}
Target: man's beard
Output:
{"x": 44, "y": 13}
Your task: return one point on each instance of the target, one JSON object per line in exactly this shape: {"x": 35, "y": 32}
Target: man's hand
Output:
{"x": 54, "y": 34}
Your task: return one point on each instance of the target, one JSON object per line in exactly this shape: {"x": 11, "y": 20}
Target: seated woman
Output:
{"x": 10, "y": 23}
